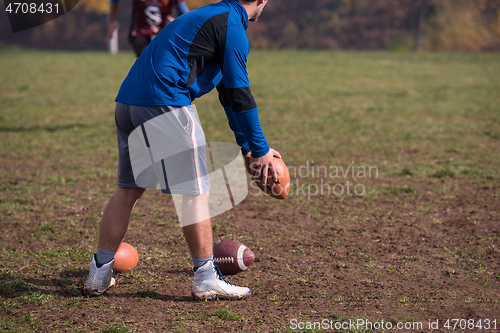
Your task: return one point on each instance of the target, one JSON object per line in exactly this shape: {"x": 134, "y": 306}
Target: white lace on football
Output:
{"x": 224, "y": 260}
{"x": 99, "y": 279}
{"x": 210, "y": 284}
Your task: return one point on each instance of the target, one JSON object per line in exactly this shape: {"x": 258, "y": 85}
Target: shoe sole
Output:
{"x": 218, "y": 297}
{"x": 88, "y": 292}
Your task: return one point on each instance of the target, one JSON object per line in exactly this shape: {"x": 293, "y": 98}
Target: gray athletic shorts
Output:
{"x": 161, "y": 147}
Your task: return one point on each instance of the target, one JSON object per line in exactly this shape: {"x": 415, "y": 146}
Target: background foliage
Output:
{"x": 443, "y": 25}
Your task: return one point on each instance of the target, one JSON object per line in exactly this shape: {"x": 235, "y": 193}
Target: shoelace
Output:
{"x": 220, "y": 276}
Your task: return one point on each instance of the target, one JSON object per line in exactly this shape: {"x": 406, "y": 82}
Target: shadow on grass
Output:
{"x": 48, "y": 128}
{"x": 69, "y": 285}
{"x": 151, "y": 294}
{"x": 66, "y": 285}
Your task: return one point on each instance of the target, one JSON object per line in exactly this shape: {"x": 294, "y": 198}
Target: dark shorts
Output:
{"x": 161, "y": 147}
{"x": 139, "y": 43}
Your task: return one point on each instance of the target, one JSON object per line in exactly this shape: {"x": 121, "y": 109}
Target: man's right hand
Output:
{"x": 259, "y": 167}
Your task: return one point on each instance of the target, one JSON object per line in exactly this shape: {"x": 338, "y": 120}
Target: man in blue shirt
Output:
{"x": 201, "y": 50}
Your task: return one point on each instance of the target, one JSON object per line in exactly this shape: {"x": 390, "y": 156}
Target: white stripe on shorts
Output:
{"x": 195, "y": 146}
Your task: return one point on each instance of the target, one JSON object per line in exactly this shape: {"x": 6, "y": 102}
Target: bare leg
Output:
{"x": 116, "y": 217}
{"x": 199, "y": 239}
{"x": 198, "y": 235}
{"x": 114, "y": 224}
{"x": 208, "y": 283}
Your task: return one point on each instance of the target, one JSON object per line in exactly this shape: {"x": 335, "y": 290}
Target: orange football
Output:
{"x": 126, "y": 258}
{"x": 280, "y": 189}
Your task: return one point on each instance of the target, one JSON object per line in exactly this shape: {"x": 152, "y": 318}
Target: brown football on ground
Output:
{"x": 232, "y": 257}
{"x": 280, "y": 189}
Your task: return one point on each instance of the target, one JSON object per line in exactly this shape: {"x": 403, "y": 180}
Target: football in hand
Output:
{"x": 232, "y": 257}
{"x": 279, "y": 189}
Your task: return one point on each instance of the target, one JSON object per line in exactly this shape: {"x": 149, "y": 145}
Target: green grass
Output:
{"x": 341, "y": 107}
{"x": 116, "y": 328}
{"x": 227, "y": 314}
{"x": 430, "y": 123}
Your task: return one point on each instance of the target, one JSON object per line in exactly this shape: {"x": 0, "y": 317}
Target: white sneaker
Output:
{"x": 210, "y": 284}
{"x": 99, "y": 279}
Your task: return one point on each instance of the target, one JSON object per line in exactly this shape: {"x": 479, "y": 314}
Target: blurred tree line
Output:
{"x": 428, "y": 25}
{"x": 431, "y": 25}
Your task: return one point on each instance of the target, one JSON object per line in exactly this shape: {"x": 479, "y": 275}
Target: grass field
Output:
{"x": 418, "y": 241}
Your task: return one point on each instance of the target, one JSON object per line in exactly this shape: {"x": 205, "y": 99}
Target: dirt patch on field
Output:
{"x": 409, "y": 255}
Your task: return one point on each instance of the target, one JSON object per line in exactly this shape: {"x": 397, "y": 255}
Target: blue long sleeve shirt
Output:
{"x": 201, "y": 50}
